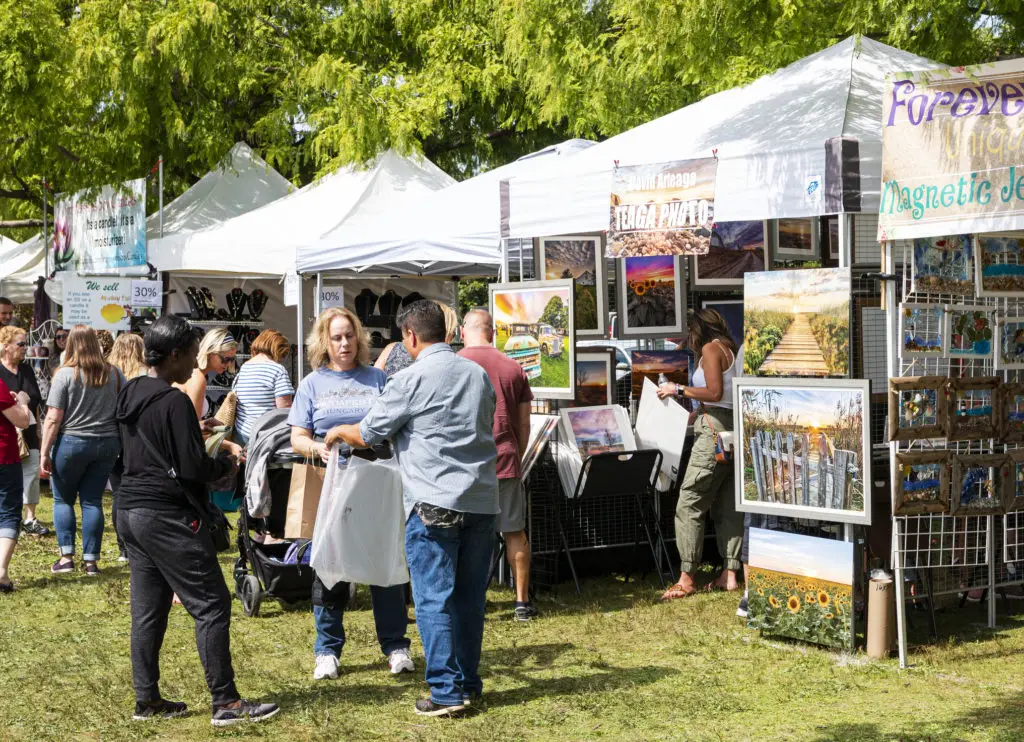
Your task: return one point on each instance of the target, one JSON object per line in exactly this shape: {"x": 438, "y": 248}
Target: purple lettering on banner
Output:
{"x": 944, "y": 98}
{"x": 905, "y": 86}
{"x": 968, "y": 100}
{"x": 1010, "y": 94}
{"x": 910, "y": 109}
{"x": 989, "y": 97}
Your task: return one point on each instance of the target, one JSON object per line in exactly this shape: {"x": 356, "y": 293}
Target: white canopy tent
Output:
{"x": 264, "y": 241}
{"x": 451, "y": 231}
{"x": 20, "y": 266}
{"x": 819, "y": 118}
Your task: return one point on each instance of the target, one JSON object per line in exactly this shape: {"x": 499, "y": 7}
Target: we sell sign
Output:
{"x": 101, "y": 302}
{"x": 953, "y": 152}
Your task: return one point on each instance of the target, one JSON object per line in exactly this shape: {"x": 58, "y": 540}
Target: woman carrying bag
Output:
{"x": 708, "y": 482}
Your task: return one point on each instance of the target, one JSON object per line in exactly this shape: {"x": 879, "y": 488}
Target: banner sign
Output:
{"x": 662, "y": 209}
{"x": 953, "y": 152}
{"x": 105, "y": 233}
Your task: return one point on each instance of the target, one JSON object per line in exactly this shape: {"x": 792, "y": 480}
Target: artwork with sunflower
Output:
{"x": 651, "y": 297}
{"x": 801, "y": 587}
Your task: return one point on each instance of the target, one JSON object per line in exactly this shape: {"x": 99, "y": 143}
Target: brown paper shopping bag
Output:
{"x": 303, "y": 500}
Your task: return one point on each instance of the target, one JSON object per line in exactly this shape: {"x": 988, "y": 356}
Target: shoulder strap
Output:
{"x": 171, "y": 471}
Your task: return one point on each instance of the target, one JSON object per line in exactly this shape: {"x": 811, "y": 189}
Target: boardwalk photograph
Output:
{"x": 797, "y": 323}
{"x": 803, "y": 448}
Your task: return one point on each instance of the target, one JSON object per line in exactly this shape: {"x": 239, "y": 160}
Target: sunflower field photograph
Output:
{"x": 801, "y": 587}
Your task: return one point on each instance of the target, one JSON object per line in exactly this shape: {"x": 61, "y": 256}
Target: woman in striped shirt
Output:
{"x": 262, "y": 383}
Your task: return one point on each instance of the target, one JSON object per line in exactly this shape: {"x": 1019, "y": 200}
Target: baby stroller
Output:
{"x": 261, "y": 570}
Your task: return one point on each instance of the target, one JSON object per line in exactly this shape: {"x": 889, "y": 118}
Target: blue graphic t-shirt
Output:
{"x": 327, "y": 398}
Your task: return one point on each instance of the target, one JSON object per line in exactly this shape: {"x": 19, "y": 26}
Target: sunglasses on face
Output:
{"x": 22, "y": 344}
{"x": 61, "y": 337}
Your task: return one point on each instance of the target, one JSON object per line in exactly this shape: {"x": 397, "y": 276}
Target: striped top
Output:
{"x": 257, "y": 385}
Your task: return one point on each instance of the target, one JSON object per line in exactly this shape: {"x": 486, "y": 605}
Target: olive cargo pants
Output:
{"x": 708, "y": 487}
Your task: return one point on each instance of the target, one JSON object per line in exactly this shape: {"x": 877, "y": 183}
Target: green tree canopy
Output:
{"x": 556, "y": 314}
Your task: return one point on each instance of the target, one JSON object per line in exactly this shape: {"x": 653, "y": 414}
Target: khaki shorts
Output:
{"x": 512, "y": 501}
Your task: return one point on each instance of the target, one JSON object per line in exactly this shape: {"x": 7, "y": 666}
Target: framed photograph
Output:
{"x": 595, "y": 377}
{"x": 732, "y": 312}
{"x": 797, "y": 239}
{"x": 648, "y": 364}
{"x": 541, "y": 428}
{"x": 797, "y": 323}
{"x": 978, "y": 483}
{"x": 917, "y": 408}
{"x": 999, "y": 264}
{"x": 533, "y": 325}
{"x": 833, "y": 237}
{"x": 651, "y": 297}
{"x": 922, "y": 483}
{"x": 922, "y": 330}
{"x": 1010, "y": 343}
{"x": 601, "y": 429}
{"x": 580, "y": 258}
{"x": 1013, "y": 495}
{"x": 974, "y": 408}
{"x": 801, "y": 587}
{"x": 942, "y": 265}
{"x": 970, "y": 331}
{"x": 737, "y": 248}
{"x": 1011, "y": 412}
{"x": 803, "y": 448}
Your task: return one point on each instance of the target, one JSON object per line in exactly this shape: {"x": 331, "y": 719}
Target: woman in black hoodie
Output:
{"x": 169, "y": 549}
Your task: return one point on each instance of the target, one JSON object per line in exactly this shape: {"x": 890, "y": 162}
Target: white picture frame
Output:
{"x": 547, "y": 252}
{"x": 575, "y": 418}
{"x": 627, "y": 327}
{"x": 922, "y": 321}
{"x": 985, "y": 244}
{"x": 1013, "y": 326}
{"x": 953, "y": 314}
{"x": 812, "y": 252}
{"x": 775, "y": 490}
{"x": 723, "y": 233}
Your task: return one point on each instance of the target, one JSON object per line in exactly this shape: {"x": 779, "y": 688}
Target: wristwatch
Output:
{"x": 679, "y": 390}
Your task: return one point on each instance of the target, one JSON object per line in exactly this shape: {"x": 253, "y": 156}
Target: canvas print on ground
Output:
{"x": 582, "y": 259}
{"x": 943, "y": 265}
{"x": 651, "y": 290}
{"x": 533, "y": 325}
{"x": 922, "y": 483}
{"x": 737, "y": 248}
{"x": 648, "y": 364}
{"x": 917, "y": 408}
{"x": 805, "y": 449}
{"x": 801, "y": 587}
{"x": 797, "y": 323}
{"x": 978, "y": 484}
{"x": 969, "y": 332}
{"x": 1000, "y": 265}
{"x": 922, "y": 329}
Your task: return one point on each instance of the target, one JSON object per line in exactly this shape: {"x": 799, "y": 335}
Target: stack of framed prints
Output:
{"x": 541, "y": 428}
{"x": 586, "y": 431}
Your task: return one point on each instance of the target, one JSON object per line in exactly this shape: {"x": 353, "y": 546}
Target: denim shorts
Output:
{"x": 11, "y": 487}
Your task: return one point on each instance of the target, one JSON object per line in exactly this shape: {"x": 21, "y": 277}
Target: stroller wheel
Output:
{"x": 251, "y": 595}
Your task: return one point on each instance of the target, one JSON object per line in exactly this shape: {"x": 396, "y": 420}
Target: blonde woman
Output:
{"x": 128, "y": 355}
{"x": 217, "y": 352}
{"x": 395, "y": 357}
{"x": 262, "y": 383}
{"x": 340, "y": 390}
{"x": 80, "y": 445}
{"x": 19, "y": 377}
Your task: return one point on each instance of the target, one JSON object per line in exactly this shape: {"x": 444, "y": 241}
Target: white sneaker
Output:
{"x": 326, "y": 667}
{"x": 399, "y": 661}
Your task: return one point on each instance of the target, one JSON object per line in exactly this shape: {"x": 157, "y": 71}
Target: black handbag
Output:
{"x": 209, "y": 514}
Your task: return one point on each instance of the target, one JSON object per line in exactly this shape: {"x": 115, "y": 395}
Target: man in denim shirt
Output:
{"x": 439, "y": 415}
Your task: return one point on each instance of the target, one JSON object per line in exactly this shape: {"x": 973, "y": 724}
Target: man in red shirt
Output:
{"x": 511, "y": 434}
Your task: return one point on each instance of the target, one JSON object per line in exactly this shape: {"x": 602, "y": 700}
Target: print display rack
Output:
{"x": 939, "y": 553}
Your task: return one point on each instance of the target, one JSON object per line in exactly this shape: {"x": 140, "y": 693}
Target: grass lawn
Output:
{"x": 615, "y": 665}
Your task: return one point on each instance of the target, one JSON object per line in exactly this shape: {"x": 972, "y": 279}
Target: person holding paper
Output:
{"x": 708, "y": 483}
{"x": 439, "y": 415}
{"x": 340, "y": 390}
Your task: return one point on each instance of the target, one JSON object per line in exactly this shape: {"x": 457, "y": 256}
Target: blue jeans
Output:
{"x": 81, "y": 468}
{"x": 11, "y": 485}
{"x": 389, "y": 616}
{"x": 449, "y": 568}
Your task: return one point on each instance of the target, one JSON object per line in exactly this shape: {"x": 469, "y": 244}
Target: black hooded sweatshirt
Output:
{"x": 168, "y": 419}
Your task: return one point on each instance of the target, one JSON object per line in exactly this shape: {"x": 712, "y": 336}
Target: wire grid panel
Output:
{"x": 1013, "y": 544}
{"x": 928, "y": 541}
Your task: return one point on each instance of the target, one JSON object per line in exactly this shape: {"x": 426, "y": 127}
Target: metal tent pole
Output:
{"x": 160, "y": 187}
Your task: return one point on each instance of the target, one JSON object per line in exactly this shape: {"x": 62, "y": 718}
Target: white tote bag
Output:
{"x": 360, "y": 524}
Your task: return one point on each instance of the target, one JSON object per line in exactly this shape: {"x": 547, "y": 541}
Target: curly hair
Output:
{"x": 10, "y": 333}
{"x": 319, "y": 343}
{"x": 129, "y": 355}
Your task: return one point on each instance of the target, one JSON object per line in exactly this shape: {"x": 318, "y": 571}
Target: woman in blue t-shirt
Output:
{"x": 340, "y": 391}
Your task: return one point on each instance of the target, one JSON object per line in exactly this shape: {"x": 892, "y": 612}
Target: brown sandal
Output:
{"x": 677, "y": 591}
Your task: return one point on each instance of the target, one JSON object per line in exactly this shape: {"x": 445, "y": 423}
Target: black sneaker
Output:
{"x": 34, "y": 528}
{"x": 60, "y": 568}
{"x": 741, "y": 610}
{"x": 525, "y": 612}
{"x": 426, "y": 707}
{"x": 474, "y": 700}
{"x": 162, "y": 709}
{"x": 247, "y": 711}
{"x": 91, "y": 570}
